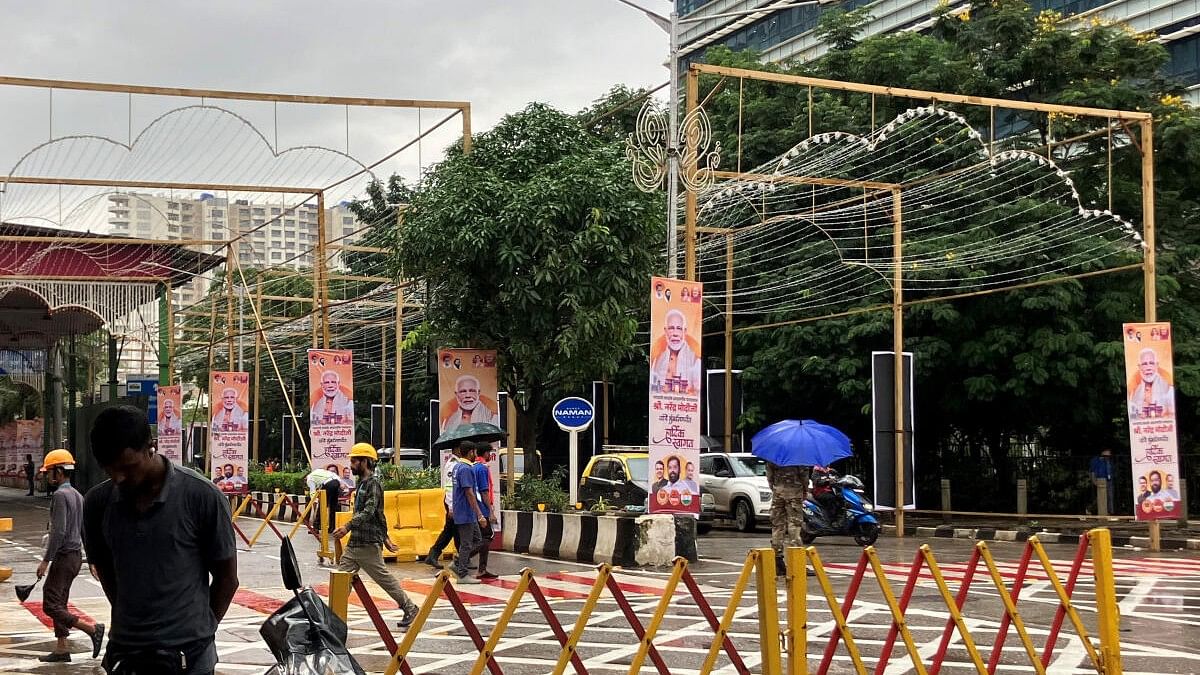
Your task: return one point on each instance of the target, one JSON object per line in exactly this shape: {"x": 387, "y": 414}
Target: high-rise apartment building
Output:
{"x": 787, "y": 33}
{"x": 275, "y": 235}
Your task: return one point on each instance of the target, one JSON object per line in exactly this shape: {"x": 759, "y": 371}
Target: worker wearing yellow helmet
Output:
{"x": 368, "y": 531}
{"x": 64, "y": 556}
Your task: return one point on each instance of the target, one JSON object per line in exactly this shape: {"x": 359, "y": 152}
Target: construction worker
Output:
{"x": 327, "y": 481}
{"x": 63, "y": 557}
{"x": 368, "y": 532}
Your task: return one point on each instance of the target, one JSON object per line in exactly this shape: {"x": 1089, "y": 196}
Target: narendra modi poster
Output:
{"x": 676, "y": 370}
{"x": 331, "y": 410}
{"x": 170, "y": 423}
{"x": 1153, "y": 436}
{"x": 229, "y": 430}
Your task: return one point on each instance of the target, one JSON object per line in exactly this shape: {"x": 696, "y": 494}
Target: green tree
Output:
{"x": 538, "y": 245}
{"x": 1040, "y": 366}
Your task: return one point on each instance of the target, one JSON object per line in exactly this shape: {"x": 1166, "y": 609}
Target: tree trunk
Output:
{"x": 529, "y": 420}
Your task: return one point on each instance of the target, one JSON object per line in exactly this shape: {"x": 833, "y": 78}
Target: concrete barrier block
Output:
{"x": 654, "y": 540}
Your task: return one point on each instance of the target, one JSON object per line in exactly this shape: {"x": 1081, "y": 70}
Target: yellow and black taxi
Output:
{"x": 622, "y": 479}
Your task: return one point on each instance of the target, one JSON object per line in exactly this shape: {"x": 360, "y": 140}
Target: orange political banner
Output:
{"x": 170, "y": 422}
{"x": 675, "y": 384}
{"x": 467, "y": 388}
{"x": 1153, "y": 436}
{"x": 331, "y": 410}
{"x": 229, "y": 430}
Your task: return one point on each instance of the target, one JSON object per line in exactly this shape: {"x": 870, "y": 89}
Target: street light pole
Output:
{"x": 671, "y": 26}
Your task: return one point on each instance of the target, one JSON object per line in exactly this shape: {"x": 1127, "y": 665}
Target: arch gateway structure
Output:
{"x": 196, "y": 230}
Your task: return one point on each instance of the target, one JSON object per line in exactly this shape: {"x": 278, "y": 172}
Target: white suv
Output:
{"x": 738, "y": 483}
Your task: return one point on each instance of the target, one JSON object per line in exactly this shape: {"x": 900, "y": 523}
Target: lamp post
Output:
{"x": 648, "y": 158}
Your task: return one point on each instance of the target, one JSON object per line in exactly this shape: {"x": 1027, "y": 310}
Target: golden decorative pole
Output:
{"x": 728, "y": 444}
{"x": 1149, "y": 266}
{"x": 898, "y": 355}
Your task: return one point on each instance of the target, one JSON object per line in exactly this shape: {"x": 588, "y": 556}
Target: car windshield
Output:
{"x": 412, "y": 462}
{"x": 749, "y": 466}
{"x": 518, "y": 462}
{"x": 639, "y": 468}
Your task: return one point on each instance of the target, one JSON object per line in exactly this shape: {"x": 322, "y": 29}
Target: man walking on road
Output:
{"x": 29, "y": 470}
{"x": 788, "y": 485}
{"x": 449, "y": 530}
{"x": 483, "y": 484}
{"x": 368, "y": 532}
{"x": 468, "y": 517}
{"x": 64, "y": 557}
{"x": 156, "y": 533}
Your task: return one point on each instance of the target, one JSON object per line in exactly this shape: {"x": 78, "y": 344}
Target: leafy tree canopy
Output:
{"x": 1039, "y": 367}
{"x": 538, "y": 245}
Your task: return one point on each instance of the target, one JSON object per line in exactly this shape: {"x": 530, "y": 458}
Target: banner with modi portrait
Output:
{"x": 170, "y": 423}
{"x": 1153, "y": 436}
{"x": 467, "y": 388}
{"x": 229, "y": 430}
{"x": 676, "y": 370}
{"x": 331, "y": 410}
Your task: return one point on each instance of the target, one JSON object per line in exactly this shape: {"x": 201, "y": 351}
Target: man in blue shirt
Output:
{"x": 483, "y": 489}
{"x": 468, "y": 518}
{"x": 1101, "y": 469}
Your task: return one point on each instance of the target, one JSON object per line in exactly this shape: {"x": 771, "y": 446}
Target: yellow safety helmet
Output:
{"x": 364, "y": 450}
{"x": 60, "y": 458}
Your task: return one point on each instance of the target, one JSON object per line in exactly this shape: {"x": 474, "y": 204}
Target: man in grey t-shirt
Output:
{"x": 157, "y": 534}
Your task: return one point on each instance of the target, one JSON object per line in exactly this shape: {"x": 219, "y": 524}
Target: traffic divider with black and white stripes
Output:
{"x": 626, "y": 540}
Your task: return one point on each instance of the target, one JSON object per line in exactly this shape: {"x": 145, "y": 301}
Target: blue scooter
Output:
{"x": 853, "y": 517}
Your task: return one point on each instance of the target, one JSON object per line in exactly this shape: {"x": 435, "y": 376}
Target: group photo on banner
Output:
{"x": 467, "y": 394}
{"x": 675, "y": 371}
{"x": 1153, "y": 437}
{"x": 170, "y": 423}
{"x": 229, "y": 430}
{"x": 331, "y": 411}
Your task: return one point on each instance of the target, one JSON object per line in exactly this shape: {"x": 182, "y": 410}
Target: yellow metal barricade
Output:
{"x": 784, "y": 641}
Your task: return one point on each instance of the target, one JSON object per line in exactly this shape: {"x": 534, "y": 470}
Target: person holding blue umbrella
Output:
{"x": 791, "y": 448}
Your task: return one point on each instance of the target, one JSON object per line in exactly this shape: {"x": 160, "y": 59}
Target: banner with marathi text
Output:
{"x": 170, "y": 423}
{"x": 676, "y": 370}
{"x": 331, "y": 410}
{"x": 1153, "y": 442}
{"x": 229, "y": 430}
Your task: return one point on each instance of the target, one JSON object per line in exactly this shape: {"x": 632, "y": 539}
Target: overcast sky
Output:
{"x": 497, "y": 54}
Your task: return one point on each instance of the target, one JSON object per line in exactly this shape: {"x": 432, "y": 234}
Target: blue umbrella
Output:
{"x": 800, "y": 443}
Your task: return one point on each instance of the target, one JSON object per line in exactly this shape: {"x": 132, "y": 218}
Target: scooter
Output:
{"x": 854, "y": 517}
{"x": 304, "y": 635}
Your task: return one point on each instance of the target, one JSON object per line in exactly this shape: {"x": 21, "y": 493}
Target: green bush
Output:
{"x": 395, "y": 477}
{"x": 290, "y": 482}
{"x": 391, "y": 476}
{"x": 531, "y": 491}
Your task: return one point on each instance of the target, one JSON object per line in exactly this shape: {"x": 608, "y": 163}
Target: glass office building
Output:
{"x": 787, "y": 33}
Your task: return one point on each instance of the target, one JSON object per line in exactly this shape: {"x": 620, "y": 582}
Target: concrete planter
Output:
{"x": 627, "y": 540}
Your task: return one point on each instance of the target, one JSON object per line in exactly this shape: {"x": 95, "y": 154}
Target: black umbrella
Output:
{"x": 475, "y": 431}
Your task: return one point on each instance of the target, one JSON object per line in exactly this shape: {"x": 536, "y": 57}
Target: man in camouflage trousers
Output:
{"x": 788, "y": 487}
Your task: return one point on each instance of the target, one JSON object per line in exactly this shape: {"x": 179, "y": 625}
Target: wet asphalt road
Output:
{"x": 1159, "y": 598}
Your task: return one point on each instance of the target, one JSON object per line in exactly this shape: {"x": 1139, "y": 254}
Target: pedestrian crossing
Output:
{"x": 1128, "y": 568}
{"x": 443, "y": 646}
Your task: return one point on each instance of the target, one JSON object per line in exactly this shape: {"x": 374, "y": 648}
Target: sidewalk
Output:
{"x": 999, "y": 528}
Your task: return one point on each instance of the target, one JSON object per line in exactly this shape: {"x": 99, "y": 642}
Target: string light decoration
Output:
{"x": 972, "y": 221}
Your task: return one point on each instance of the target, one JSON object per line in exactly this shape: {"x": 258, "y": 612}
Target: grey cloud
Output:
{"x": 499, "y": 55}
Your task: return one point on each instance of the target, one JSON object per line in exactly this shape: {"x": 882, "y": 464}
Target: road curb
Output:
{"x": 1023, "y": 533}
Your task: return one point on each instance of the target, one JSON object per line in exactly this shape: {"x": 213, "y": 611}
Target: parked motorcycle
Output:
{"x": 304, "y": 635}
{"x": 839, "y": 508}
